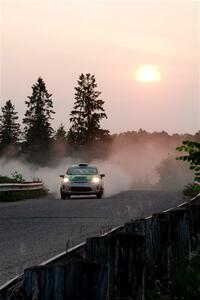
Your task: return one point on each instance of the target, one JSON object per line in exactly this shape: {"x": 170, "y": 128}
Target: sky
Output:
{"x": 59, "y": 40}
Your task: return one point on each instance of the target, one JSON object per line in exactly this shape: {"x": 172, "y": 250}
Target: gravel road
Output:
{"x": 32, "y": 231}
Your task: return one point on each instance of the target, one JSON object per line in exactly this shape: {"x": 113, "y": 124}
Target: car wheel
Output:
{"x": 63, "y": 195}
{"x": 100, "y": 194}
{"x": 68, "y": 196}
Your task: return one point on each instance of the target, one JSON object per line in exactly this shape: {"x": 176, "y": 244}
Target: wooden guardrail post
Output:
{"x": 156, "y": 246}
{"x": 156, "y": 232}
{"x": 124, "y": 255}
{"x": 194, "y": 219}
{"x": 74, "y": 281}
{"x": 179, "y": 234}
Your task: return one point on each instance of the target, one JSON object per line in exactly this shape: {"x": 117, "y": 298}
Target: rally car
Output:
{"x": 82, "y": 179}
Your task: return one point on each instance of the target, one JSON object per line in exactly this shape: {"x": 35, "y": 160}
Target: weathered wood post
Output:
{"x": 126, "y": 267}
{"x": 179, "y": 234}
{"x": 124, "y": 255}
{"x": 156, "y": 250}
{"x": 194, "y": 220}
{"x": 156, "y": 231}
{"x": 72, "y": 281}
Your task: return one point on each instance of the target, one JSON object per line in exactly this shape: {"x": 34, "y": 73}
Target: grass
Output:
{"x": 11, "y": 196}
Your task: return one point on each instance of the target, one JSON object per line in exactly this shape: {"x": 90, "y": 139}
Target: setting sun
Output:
{"x": 148, "y": 73}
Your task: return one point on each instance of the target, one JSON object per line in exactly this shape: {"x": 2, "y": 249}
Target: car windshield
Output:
{"x": 82, "y": 171}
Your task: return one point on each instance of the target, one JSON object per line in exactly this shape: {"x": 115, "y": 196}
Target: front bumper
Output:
{"x": 86, "y": 188}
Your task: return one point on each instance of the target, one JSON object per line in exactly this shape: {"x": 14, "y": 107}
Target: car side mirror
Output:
{"x": 62, "y": 176}
{"x": 102, "y": 175}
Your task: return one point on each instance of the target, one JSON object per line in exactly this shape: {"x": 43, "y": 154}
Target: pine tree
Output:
{"x": 38, "y": 130}
{"x": 87, "y": 113}
{"x": 9, "y": 127}
{"x": 60, "y": 145}
{"x": 61, "y": 134}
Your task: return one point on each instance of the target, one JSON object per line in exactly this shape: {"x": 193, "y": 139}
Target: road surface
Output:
{"x": 32, "y": 231}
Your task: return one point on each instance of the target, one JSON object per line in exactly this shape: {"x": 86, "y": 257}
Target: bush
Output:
{"x": 186, "y": 279}
{"x": 184, "y": 282}
{"x": 191, "y": 189}
{"x": 17, "y": 177}
{"x": 6, "y": 179}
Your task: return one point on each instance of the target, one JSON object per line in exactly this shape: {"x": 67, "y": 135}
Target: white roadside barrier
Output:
{"x": 27, "y": 186}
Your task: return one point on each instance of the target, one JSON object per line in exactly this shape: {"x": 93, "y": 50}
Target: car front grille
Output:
{"x": 80, "y": 189}
{"x": 81, "y": 182}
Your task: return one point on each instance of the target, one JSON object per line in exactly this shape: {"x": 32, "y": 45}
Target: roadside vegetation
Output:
{"x": 191, "y": 189}
{"x": 6, "y": 179}
{"x": 184, "y": 283}
{"x": 15, "y": 177}
{"x": 191, "y": 150}
{"x": 12, "y": 196}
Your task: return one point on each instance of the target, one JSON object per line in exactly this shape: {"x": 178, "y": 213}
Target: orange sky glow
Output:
{"x": 58, "y": 40}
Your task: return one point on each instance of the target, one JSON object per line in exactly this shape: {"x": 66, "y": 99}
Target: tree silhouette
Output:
{"x": 61, "y": 134}
{"x": 38, "y": 130}
{"x": 87, "y": 113}
{"x": 9, "y": 127}
{"x": 59, "y": 146}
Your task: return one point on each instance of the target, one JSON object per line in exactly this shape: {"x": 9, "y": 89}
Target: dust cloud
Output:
{"x": 116, "y": 180}
{"x": 30, "y": 172}
{"x": 126, "y": 167}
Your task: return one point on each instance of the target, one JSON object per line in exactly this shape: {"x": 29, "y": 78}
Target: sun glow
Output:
{"x": 148, "y": 73}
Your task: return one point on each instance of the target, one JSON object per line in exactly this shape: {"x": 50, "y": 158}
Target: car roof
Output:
{"x": 83, "y": 165}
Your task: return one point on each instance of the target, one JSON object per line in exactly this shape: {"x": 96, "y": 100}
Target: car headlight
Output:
{"x": 96, "y": 180}
{"x": 66, "y": 179}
